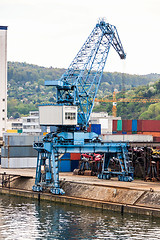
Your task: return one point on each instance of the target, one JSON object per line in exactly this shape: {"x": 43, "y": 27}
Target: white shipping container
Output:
{"x": 18, "y": 162}
{"x": 127, "y": 138}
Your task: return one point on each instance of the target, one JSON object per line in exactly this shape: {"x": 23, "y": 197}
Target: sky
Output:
{"x": 51, "y": 32}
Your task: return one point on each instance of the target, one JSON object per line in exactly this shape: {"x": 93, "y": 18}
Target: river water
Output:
{"x": 22, "y": 218}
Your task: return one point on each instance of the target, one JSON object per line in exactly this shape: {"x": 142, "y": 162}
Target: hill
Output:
{"x": 26, "y": 88}
{"x": 135, "y": 110}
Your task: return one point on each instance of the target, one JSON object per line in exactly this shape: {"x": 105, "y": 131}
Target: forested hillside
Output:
{"x": 26, "y": 88}
{"x": 135, "y": 110}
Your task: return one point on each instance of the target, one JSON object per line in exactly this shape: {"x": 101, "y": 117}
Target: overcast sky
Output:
{"x": 51, "y": 32}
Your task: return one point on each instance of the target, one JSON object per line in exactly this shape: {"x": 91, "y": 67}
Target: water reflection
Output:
{"x": 22, "y": 218}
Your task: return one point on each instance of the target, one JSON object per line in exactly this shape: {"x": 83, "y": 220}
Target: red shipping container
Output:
{"x": 75, "y": 156}
{"x": 124, "y": 125}
{"x": 114, "y": 126}
{"x": 156, "y": 139}
{"x": 129, "y": 132}
{"x": 154, "y": 134}
{"x": 129, "y": 125}
{"x": 119, "y": 133}
{"x": 89, "y": 129}
{"x": 139, "y": 125}
{"x": 150, "y": 125}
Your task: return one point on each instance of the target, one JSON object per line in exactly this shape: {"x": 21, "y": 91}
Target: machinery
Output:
{"x": 76, "y": 92}
{"x": 90, "y": 164}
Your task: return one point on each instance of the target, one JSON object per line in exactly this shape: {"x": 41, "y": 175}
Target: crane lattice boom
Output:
{"x": 79, "y": 84}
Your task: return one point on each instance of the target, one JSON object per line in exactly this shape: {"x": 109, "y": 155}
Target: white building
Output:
{"x": 105, "y": 121}
{"x": 14, "y": 124}
{"x": 3, "y": 79}
{"x": 31, "y": 123}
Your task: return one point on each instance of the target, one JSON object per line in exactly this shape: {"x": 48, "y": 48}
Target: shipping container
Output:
{"x": 124, "y": 126}
{"x": 139, "y": 125}
{"x": 156, "y": 139}
{"x": 127, "y": 138}
{"x": 119, "y": 125}
{"x": 65, "y": 166}
{"x": 134, "y": 132}
{"x": 20, "y": 140}
{"x": 96, "y": 128}
{"x": 129, "y": 132}
{"x": 66, "y": 156}
{"x": 20, "y": 162}
{"x": 129, "y": 125}
{"x": 114, "y": 132}
{"x": 12, "y": 131}
{"x": 74, "y": 165}
{"x": 124, "y": 132}
{"x": 18, "y": 151}
{"x": 119, "y": 132}
{"x": 53, "y": 128}
{"x": 75, "y": 156}
{"x": 89, "y": 129}
{"x": 114, "y": 126}
{"x": 150, "y": 125}
{"x": 154, "y": 134}
{"x": 134, "y": 125}
{"x": 19, "y": 130}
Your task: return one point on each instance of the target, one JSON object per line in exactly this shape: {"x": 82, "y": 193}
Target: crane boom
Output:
{"x": 79, "y": 84}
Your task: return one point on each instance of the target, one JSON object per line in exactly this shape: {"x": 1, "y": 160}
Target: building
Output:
{"x": 3, "y": 79}
{"x": 14, "y": 125}
{"x": 31, "y": 123}
{"x": 104, "y": 120}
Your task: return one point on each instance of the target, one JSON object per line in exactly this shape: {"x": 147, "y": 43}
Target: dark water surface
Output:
{"x": 22, "y": 218}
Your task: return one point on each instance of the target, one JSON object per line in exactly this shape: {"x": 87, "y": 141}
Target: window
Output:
{"x": 3, "y": 110}
{"x": 3, "y": 119}
{"x": 3, "y": 99}
{"x": 28, "y": 120}
{"x": 70, "y": 116}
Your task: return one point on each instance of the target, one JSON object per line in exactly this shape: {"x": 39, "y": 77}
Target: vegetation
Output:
{"x": 26, "y": 90}
{"x": 135, "y": 110}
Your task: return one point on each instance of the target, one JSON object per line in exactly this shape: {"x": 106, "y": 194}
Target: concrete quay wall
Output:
{"x": 115, "y": 198}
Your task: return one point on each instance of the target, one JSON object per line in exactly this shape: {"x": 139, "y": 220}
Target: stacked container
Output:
{"x": 145, "y": 127}
{"x": 18, "y": 151}
{"x": 69, "y": 161}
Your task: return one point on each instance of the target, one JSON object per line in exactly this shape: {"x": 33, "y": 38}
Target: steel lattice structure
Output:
{"x": 78, "y": 86}
{"x": 80, "y": 83}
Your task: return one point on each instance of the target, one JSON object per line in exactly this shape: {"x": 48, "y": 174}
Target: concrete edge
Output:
{"x": 83, "y": 202}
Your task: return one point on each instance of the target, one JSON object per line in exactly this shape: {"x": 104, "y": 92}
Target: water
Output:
{"x": 22, "y": 218}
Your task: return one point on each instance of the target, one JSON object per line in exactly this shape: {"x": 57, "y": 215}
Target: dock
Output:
{"x": 138, "y": 197}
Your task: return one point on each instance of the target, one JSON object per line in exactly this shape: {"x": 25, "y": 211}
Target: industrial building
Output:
{"x": 3, "y": 79}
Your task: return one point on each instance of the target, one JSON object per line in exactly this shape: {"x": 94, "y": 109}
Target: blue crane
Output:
{"x": 79, "y": 84}
{"x": 75, "y": 94}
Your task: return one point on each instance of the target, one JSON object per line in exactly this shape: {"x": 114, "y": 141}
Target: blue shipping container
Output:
{"x": 96, "y": 128}
{"x": 66, "y": 156}
{"x": 74, "y": 164}
{"x": 65, "y": 166}
{"x": 134, "y": 125}
{"x": 53, "y": 128}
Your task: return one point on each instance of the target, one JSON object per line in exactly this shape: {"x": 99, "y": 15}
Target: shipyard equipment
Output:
{"x": 76, "y": 92}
